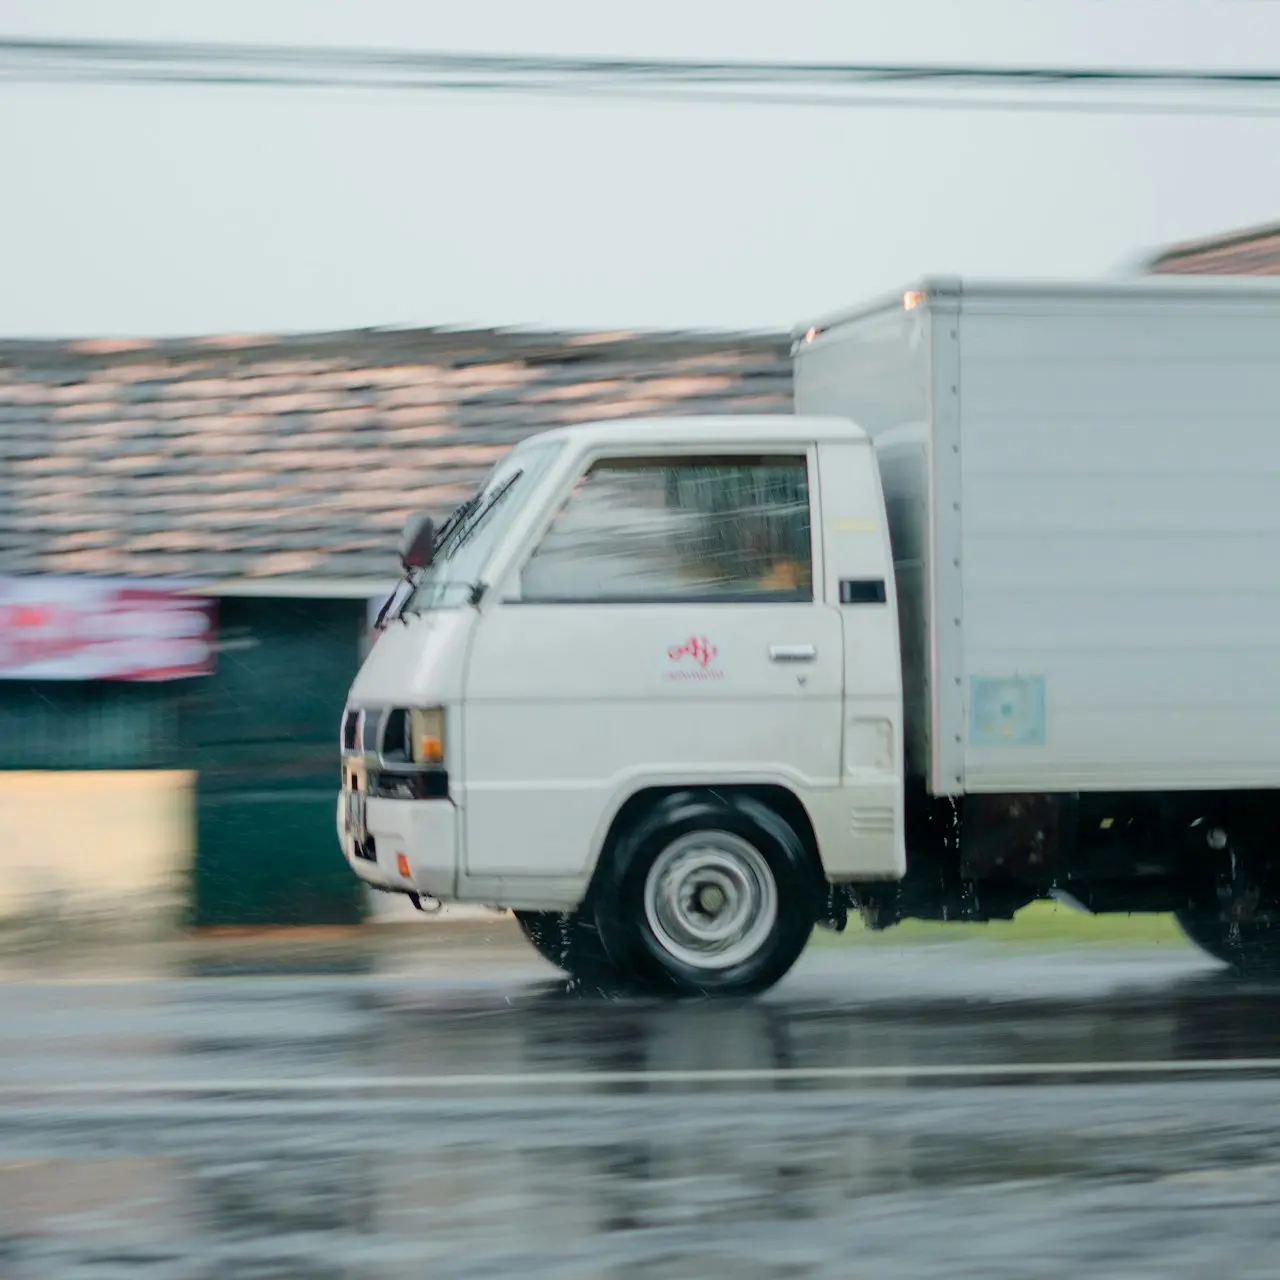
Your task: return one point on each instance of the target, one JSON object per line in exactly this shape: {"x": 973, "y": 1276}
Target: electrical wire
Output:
{"x": 53, "y": 52}
{"x": 818, "y": 84}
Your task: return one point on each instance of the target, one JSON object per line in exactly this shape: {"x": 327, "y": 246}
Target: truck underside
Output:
{"x": 1205, "y": 856}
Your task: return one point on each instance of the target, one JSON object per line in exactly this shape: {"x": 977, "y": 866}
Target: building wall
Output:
{"x": 207, "y": 801}
{"x": 96, "y": 808}
{"x": 262, "y": 735}
{"x": 104, "y": 847}
{"x": 89, "y": 725}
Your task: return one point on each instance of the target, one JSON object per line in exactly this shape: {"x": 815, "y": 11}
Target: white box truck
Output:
{"x": 994, "y": 617}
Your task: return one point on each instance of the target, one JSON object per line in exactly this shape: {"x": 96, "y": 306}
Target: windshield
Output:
{"x": 467, "y": 547}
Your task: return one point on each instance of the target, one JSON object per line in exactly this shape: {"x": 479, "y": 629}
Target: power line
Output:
{"x": 666, "y": 80}
{"x": 51, "y": 53}
{"x": 866, "y": 101}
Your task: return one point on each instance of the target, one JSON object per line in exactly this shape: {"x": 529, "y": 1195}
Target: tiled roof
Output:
{"x": 1255, "y": 252}
{"x": 264, "y": 457}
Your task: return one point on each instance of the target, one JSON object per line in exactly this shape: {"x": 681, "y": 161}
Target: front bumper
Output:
{"x": 424, "y": 831}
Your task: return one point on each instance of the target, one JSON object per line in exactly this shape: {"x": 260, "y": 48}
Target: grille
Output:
{"x": 431, "y": 784}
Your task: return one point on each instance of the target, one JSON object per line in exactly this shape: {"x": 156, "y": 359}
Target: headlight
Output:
{"x": 426, "y": 735}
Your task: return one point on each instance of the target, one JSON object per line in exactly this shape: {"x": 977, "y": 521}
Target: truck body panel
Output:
{"x": 1083, "y": 492}
{"x": 576, "y": 681}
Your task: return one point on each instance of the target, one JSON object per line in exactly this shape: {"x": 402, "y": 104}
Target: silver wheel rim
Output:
{"x": 710, "y": 900}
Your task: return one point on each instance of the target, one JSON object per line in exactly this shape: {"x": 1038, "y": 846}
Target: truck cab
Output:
{"x": 643, "y": 689}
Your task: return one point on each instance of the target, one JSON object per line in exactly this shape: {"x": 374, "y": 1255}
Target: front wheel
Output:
{"x": 1251, "y": 947}
{"x": 708, "y": 893}
{"x": 570, "y": 941}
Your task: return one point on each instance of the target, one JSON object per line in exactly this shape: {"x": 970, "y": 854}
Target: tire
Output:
{"x": 707, "y": 894}
{"x": 571, "y": 942}
{"x": 1250, "y": 947}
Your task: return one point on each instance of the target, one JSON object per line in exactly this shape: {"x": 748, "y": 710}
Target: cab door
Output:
{"x": 669, "y": 627}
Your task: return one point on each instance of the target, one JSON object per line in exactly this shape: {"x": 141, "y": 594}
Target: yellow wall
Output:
{"x": 104, "y": 842}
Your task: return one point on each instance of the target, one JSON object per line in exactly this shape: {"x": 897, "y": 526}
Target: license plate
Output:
{"x": 356, "y": 827}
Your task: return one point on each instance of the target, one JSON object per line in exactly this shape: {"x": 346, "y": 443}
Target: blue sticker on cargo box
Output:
{"x": 1006, "y": 711}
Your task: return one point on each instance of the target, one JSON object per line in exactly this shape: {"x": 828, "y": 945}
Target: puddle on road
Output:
{"x": 911, "y": 1181}
{"x": 625, "y": 1201}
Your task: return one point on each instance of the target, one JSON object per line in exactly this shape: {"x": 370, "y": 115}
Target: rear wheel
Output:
{"x": 708, "y": 893}
{"x": 1251, "y": 947}
{"x": 570, "y": 941}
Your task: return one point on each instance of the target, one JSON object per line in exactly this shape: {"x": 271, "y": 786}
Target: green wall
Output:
{"x": 90, "y": 725}
{"x": 262, "y": 734}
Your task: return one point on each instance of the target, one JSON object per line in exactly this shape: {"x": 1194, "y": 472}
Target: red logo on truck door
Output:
{"x": 694, "y": 660}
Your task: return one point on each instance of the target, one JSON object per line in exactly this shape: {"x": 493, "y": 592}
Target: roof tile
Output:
{"x": 262, "y": 457}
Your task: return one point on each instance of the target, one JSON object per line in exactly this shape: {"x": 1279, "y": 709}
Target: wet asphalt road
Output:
{"x": 925, "y": 1112}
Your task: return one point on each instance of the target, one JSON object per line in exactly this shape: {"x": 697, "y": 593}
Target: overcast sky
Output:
{"x": 174, "y": 210}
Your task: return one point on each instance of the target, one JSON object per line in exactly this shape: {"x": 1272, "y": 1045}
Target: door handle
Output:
{"x": 792, "y": 653}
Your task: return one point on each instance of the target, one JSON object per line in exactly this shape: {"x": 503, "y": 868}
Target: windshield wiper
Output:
{"x": 442, "y": 536}
{"x": 474, "y": 518}
{"x": 457, "y": 531}
{"x": 456, "y": 517}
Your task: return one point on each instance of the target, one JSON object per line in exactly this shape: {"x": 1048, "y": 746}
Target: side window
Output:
{"x": 681, "y": 528}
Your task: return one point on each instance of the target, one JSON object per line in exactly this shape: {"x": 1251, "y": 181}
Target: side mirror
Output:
{"x": 417, "y": 543}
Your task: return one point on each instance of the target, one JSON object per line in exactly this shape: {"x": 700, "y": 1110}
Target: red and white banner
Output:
{"x": 104, "y": 629}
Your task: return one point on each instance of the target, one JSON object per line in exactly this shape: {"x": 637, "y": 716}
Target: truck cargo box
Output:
{"x": 1083, "y": 495}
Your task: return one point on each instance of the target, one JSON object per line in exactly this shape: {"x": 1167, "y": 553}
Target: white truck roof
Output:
{"x": 934, "y": 289}
{"x": 740, "y": 429}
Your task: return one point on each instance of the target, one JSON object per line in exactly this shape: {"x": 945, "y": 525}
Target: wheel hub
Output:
{"x": 711, "y": 900}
